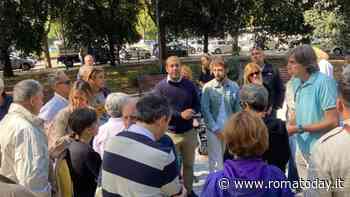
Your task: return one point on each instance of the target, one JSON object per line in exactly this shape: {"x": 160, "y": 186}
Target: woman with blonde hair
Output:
{"x": 186, "y": 72}
{"x": 252, "y": 74}
{"x": 247, "y": 138}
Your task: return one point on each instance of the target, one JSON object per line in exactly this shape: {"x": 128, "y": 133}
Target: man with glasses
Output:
{"x": 271, "y": 79}
{"x": 61, "y": 84}
{"x": 220, "y": 99}
{"x": 183, "y": 98}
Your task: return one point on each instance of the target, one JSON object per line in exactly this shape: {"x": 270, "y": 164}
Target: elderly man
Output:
{"x": 146, "y": 168}
{"x": 315, "y": 102}
{"x": 220, "y": 99}
{"x": 23, "y": 144}
{"x": 60, "y": 83}
{"x": 121, "y": 108}
{"x": 271, "y": 79}
{"x": 329, "y": 159}
{"x": 183, "y": 98}
{"x": 89, "y": 61}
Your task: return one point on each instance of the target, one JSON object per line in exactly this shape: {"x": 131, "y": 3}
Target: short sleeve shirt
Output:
{"x": 312, "y": 99}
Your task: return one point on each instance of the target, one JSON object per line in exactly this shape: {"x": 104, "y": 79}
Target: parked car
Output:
{"x": 219, "y": 47}
{"x": 177, "y": 49}
{"x": 197, "y": 46}
{"x": 135, "y": 52}
{"x": 26, "y": 63}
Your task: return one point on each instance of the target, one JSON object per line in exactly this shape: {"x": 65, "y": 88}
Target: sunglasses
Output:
{"x": 66, "y": 82}
{"x": 254, "y": 73}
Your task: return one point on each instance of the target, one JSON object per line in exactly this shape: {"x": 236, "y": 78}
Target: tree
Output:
{"x": 101, "y": 23}
{"x": 146, "y": 26}
{"x": 22, "y": 27}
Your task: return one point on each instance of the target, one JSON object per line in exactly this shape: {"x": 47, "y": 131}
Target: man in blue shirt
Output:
{"x": 315, "y": 102}
{"x": 183, "y": 98}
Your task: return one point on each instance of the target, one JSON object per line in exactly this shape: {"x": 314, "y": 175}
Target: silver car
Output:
{"x": 19, "y": 63}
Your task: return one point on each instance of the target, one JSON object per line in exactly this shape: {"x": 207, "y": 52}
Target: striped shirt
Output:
{"x": 134, "y": 164}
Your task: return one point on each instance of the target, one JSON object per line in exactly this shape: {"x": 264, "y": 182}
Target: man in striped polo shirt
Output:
{"x": 134, "y": 164}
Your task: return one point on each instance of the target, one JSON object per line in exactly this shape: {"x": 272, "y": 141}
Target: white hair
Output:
{"x": 115, "y": 103}
{"x": 26, "y": 89}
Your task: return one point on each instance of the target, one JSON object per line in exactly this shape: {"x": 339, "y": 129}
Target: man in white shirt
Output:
{"x": 61, "y": 84}
{"x": 23, "y": 144}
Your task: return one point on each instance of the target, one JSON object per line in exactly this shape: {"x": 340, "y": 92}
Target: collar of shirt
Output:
{"x": 26, "y": 114}
{"x": 61, "y": 98}
{"x": 218, "y": 84}
{"x": 168, "y": 79}
{"x": 135, "y": 128}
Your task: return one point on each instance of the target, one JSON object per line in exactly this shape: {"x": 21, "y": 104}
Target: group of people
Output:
{"x": 86, "y": 141}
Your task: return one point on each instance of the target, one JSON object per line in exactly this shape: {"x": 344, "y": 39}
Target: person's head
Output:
{"x": 303, "y": 61}
{"x": 186, "y": 72}
{"x": 205, "y": 62}
{"x": 173, "y": 67}
{"x": 128, "y": 112}
{"x": 84, "y": 123}
{"x": 95, "y": 77}
{"x": 89, "y": 60}
{"x": 246, "y": 135}
{"x": 60, "y": 83}
{"x": 29, "y": 94}
{"x": 2, "y": 87}
{"x": 343, "y": 100}
{"x": 80, "y": 94}
{"x": 257, "y": 55}
{"x": 154, "y": 112}
{"x": 252, "y": 74}
{"x": 254, "y": 97}
{"x": 219, "y": 68}
{"x": 115, "y": 102}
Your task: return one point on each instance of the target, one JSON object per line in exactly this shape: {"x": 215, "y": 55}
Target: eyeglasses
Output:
{"x": 66, "y": 82}
{"x": 254, "y": 73}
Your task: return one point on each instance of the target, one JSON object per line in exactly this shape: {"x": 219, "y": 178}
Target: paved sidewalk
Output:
{"x": 201, "y": 171}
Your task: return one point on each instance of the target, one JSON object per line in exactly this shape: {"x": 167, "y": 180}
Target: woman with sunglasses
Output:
{"x": 252, "y": 74}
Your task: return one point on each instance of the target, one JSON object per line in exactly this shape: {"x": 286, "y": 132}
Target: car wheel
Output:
{"x": 199, "y": 49}
{"x": 26, "y": 67}
{"x": 193, "y": 51}
{"x": 337, "y": 51}
{"x": 217, "y": 51}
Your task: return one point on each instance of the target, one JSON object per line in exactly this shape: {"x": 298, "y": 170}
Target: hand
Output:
{"x": 220, "y": 135}
{"x": 183, "y": 193}
{"x": 292, "y": 129}
{"x": 187, "y": 114}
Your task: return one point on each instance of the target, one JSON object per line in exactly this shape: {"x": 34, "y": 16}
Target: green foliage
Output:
{"x": 145, "y": 25}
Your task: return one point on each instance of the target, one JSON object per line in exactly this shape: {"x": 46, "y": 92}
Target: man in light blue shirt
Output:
{"x": 219, "y": 100}
{"x": 315, "y": 102}
{"x": 61, "y": 84}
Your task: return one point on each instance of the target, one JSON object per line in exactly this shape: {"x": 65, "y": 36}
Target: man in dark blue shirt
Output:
{"x": 183, "y": 98}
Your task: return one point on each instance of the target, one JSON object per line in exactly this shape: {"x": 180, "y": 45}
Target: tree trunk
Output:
{"x": 205, "y": 42}
{"x": 4, "y": 55}
{"x": 47, "y": 52}
{"x": 162, "y": 46}
{"x": 111, "y": 50}
{"x": 235, "y": 47}
{"x": 118, "y": 53}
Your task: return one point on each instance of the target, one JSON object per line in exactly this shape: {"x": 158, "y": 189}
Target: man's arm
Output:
{"x": 329, "y": 122}
{"x": 32, "y": 162}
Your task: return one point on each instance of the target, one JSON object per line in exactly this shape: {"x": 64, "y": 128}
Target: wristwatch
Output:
{"x": 300, "y": 128}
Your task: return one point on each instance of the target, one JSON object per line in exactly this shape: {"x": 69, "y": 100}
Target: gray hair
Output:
{"x": 151, "y": 108}
{"x": 306, "y": 56}
{"x": 115, "y": 103}
{"x": 54, "y": 77}
{"x": 26, "y": 89}
{"x": 256, "y": 96}
{"x": 2, "y": 85}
